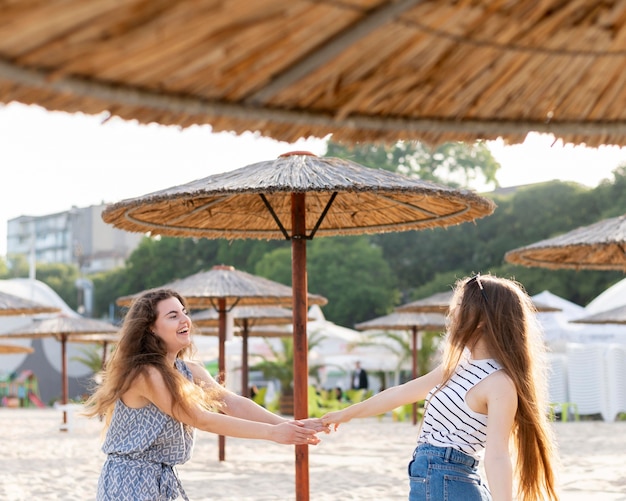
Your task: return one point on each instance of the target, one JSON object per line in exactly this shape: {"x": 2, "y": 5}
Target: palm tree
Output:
{"x": 280, "y": 367}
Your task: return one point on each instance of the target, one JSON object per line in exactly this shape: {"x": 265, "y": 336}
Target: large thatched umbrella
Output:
{"x": 61, "y": 328}
{"x": 416, "y": 323}
{"x": 599, "y": 246}
{"x": 297, "y": 197}
{"x": 223, "y": 288}
{"x": 246, "y": 317}
{"x": 15, "y": 305}
{"x": 363, "y": 70}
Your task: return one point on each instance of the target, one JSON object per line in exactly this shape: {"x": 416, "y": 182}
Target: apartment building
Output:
{"x": 77, "y": 236}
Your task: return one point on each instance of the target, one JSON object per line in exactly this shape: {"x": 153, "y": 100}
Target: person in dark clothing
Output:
{"x": 359, "y": 378}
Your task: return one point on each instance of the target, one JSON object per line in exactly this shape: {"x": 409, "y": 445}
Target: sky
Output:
{"x": 52, "y": 161}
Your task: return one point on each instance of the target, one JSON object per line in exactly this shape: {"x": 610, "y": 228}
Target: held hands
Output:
{"x": 294, "y": 433}
{"x": 334, "y": 418}
{"x": 315, "y": 424}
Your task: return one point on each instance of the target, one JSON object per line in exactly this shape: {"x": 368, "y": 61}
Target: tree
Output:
{"x": 455, "y": 164}
{"x": 349, "y": 271}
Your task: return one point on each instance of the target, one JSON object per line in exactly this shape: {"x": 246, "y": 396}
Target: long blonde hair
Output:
{"x": 137, "y": 349}
{"x": 503, "y": 315}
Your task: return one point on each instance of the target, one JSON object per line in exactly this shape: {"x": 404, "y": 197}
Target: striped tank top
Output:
{"x": 448, "y": 420}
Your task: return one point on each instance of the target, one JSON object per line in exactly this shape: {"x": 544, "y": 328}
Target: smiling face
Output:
{"x": 172, "y": 325}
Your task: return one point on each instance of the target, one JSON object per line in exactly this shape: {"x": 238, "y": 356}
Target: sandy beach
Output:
{"x": 365, "y": 460}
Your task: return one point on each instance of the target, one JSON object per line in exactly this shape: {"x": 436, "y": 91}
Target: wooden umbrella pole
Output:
{"x": 221, "y": 364}
{"x": 245, "y": 390}
{"x": 64, "y": 384}
{"x": 415, "y": 372}
{"x": 300, "y": 348}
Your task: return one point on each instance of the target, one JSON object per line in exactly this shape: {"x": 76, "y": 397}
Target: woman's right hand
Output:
{"x": 294, "y": 433}
{"x": 335, "y": 418}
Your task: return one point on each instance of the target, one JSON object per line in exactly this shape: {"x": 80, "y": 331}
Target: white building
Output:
{"x": 78, "y": 236}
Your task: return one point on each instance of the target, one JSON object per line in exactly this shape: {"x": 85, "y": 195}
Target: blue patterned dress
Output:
{"x": 143, "y": 446}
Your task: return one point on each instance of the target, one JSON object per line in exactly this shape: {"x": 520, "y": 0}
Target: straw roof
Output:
{"x": 440, "y": 302}
{"x": 613, "y": 316}
{"x": 600, "y": 246}
{"x": 342, "y": 197}
{"x": 254, "y": 315}
{"x": 203, "y": 289}
{"x": 364, "y": 70}
{"x": 60, "y": 327}
{"x": 404, "y": 321}
{"x": 15, "y": 305}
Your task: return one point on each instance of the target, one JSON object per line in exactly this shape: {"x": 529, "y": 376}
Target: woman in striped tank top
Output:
{"x": 487, "y": 395}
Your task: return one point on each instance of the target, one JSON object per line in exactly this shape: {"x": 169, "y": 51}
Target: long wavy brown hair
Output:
{"x": 137, "y": 349}
{"x": 500, "y": 312}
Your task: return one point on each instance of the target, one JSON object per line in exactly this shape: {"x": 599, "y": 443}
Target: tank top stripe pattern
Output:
{"x": 448, "y": 421}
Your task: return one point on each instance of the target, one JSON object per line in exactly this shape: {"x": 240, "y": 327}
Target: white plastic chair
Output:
{"x": 586, "y": 381}
{"x": 615, "y": 377}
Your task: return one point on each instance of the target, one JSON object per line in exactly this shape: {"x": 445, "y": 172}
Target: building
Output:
{"x": 78, "y": 236}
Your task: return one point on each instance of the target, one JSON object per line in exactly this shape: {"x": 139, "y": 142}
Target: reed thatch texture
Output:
{"x": 15, "y": 305}
{"x": 437, "y": 303}
{"x": 236, "y": 287}
{"x": 232, "y": 205}
{"x": 60, "y": 328}
{"x": 600, "y": 246}
{"x": 405, "y": 321}
{"x": 363, "y": 70}
{"x": 613, "y": 316}
{"x": 440, "y": 303}
{"x": 251, "y": 315}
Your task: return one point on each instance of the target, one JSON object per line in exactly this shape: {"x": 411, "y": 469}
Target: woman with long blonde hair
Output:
{"x": 153, "y": 397}
{"x": 487, "y": 395}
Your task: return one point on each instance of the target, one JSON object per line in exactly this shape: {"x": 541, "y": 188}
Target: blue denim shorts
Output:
{"x": 445, "y": 474}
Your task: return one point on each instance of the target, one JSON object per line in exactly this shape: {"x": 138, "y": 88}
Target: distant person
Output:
{"x": 489, "y": 393}
{"x": 152, "y": 398}
{"x": 359, "y": 378}
{"x": 339, "y": 394}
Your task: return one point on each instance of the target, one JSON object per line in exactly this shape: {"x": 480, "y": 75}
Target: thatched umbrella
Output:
{"x": 600, "y": 246}
{"x": 223, "y": 288}
{"x": 61, "y": 328}
{"x": 363, "y": 70}
{"x": 416, "y": 323}
{"x": 15, "y": 305}
{"x": 297, "y": 197}
{"x": 612, "y": 316}
{"x": 440, "y": 303}
{"x": 246, "y": 317}
{"x": 13, "y": 349}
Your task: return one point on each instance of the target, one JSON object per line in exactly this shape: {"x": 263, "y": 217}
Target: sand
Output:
{"x": 365, "y": 460}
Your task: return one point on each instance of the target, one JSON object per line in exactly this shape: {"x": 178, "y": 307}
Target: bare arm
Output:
{"x": 501, "y": 398}
{"x": 409, "y": 392}
{"x": 152, "y": 387}
{"x": 245, "y": 408}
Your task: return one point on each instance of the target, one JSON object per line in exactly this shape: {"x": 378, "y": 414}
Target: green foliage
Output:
{"x": 350, "y": 272}
{"x": 279, "y": 365}
{"x": 90, "y": 357}
{"x": 455, "y": 164}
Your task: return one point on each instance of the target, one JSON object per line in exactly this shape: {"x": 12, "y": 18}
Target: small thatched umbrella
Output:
{"x": 600, "y": 246}
{"x": 245, "y": 317}
{"x": 440, "y": 303}
{"x": 223, "y": 288}
{"x": 297, "y": 197}
{"x": 15, "y": 305}
{"x": 613, "y": 316}
{"x": 414, "y": 322}
{"x": 61, "y": 328}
